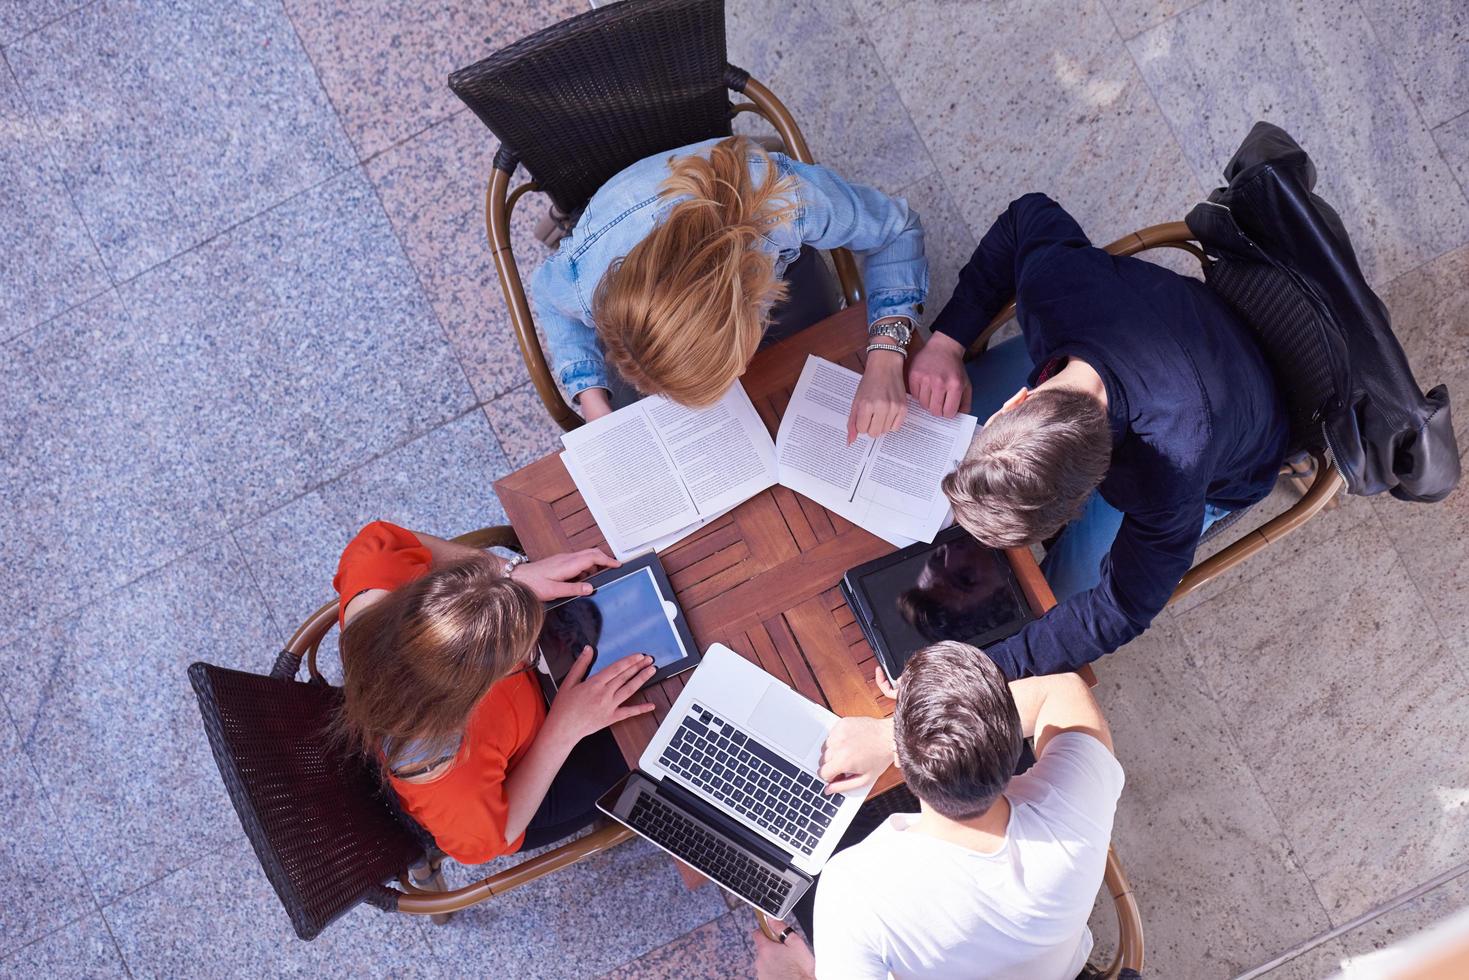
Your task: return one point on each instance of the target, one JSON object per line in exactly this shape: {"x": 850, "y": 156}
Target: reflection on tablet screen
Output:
{"x": 957, "y": 591}
{"x": 621, "y": 618}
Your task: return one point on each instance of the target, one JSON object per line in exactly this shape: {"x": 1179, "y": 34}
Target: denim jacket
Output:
{"x": 829, "y": 213}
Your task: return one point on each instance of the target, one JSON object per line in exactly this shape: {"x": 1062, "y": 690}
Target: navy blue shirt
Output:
{"x": 1194, "y": 411}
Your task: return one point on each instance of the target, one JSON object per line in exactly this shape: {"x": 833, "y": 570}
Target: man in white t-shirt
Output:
{"x": 996, "y": 875}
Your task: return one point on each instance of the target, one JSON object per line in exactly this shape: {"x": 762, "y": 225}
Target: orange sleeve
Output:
{"x": 382, "y": 556}
{"x": 467, "y": 808}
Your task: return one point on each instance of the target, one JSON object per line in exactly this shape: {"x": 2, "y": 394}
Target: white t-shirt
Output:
{"x": 910, "y": 905}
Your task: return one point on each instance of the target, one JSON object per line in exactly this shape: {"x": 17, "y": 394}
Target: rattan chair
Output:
{"x": 326, "y": 832}
{"x": 583, "y": 99}
{"x": 1268, "y": 300}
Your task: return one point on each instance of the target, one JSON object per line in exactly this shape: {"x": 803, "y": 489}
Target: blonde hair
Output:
{"x": 683, "y": 312}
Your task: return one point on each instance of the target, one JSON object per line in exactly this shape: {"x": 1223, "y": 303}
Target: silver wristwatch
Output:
{"x": 898, "y": 329}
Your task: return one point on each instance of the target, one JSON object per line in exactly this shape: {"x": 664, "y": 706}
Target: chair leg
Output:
{"x": 428, "y": 875}
{"x": 1302, "y": 472}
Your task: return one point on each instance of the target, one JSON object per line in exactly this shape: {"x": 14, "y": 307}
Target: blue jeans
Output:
{"x": 1074, "y": 562}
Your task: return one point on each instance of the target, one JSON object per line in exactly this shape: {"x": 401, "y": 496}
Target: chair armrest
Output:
{"x": 416, "y": 902}
{"x": 1129, "y": 955}
{"x": 498, "y": 205}
{"x": 1327, "y": 484}
{"x": 499, "y": 536}
{"x": 1171, "y": 234}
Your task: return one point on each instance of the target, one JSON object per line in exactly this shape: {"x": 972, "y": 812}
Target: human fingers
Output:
{"x": 883, "y": 684}
{"x": 634, "y": 681}
{"x": 631, "y": 711}
{"x": 618, "y": 672}
{"x": 856, "y": 420}
{"x": 953, "y": 393}
{"x": 579, "y": 666}
{"x": 967, "y": 398}
{"x": 588, "y": 559}
{"x": 557, "y": 589}
{"x": 896, "y": 422}
{"x": 846, "y": 785}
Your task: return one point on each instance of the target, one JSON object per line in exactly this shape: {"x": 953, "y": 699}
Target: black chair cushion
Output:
{"x": 323, "y": 826}
{"x": 585, "y": 98}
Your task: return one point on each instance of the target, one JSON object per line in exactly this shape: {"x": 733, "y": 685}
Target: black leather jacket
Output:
{"x": 1284, "y": 260}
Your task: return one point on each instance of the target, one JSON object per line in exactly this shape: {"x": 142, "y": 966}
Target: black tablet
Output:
{"x": 953, "y": 589}
{"x": 632, "y": 611}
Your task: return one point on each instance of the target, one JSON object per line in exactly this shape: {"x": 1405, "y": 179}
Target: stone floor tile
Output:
{"x": 433, "y": 187}
{"x": 98, "y": 481}
{"x": 440, "y": 483}
{"x": 19, "y": 17}
{"x": 83, "y": 948}
{"x": 44, "y": 886}
{"x": 1317, "y": 71}
{"x": 1430, "y": 315}
{"x": 947, "y": 241}
{"x": 172, "y": 122}
{"x": 1424, "y": 912}
{"x": 49, "y": 260}
{"x": 525, "y": 428}
{"x": 387, "y": 70}
{"x": 1218, "y": 883}
{"x": 1036, "y": 97}
{"x": 585, "y": 919}
{"x": 1432, "y": 541}
{"x": 804, "y": 51}
{"x": 105, "y": 713}
{"x": 1453, "y": 142}
{"x": 1332, "y": 675}
{"x": 1428, "y": 43}
{"x": 717, "y": 950}
{"x": 220, "y": 917}
{"x": 1132, "y": 17}
{"x": 1318, "y": 531}
{"x": 299, "y": 345}
{"x": 1323, "y": 961}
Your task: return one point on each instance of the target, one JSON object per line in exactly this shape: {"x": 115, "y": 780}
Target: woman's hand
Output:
{"x": 585, "y": 705}
{"x": 938, "y": 379}
{"x": 594, "y": 403}
{"x": 552, "y": 578}
{"x": 881, "y": 402}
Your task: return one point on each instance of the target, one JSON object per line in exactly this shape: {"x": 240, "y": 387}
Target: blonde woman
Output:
{"x": 681, "y": 265}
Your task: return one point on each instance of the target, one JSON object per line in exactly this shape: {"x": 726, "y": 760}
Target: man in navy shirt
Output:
{"x": 1134, "y": 410}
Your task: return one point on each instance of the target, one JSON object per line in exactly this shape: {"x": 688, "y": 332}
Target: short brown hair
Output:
{"x": 684, "y": 311}
{"x": 417, "y": 662}
{"x": 1029, "y": 471}
{"x": 957, "y": 730}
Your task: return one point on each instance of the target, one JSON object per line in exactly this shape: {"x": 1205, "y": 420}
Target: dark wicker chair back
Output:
{"x": 325, "y": 833}
{"x": 583, "y": 99}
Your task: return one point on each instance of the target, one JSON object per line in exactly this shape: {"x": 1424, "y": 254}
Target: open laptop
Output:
{"x": 729, "y": 785}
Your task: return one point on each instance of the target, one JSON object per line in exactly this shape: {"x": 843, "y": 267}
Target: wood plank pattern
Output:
{"x": 763, "y": 578}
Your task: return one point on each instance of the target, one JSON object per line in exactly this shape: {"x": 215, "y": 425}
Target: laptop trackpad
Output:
{"x": 783, "y": 720}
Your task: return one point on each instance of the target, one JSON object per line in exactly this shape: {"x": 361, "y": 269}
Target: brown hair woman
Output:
{"x": 437, "y": 640}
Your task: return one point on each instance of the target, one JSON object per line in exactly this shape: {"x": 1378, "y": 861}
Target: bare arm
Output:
{"x": 1058, "y": 703}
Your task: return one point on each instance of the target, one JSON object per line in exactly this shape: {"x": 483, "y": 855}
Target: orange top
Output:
{"x": 465, "y": 808}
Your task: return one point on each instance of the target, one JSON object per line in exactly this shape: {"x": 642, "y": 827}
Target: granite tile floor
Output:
{"x": 246, "y": 305}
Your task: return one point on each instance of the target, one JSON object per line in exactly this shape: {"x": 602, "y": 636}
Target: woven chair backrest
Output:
{"x": 323, "y": 827}
{"x": 585, "y": 98}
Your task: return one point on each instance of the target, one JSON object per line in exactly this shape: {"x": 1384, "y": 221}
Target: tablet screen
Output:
{"x": 622, "y": 617}
{"x": 957, "y": 590}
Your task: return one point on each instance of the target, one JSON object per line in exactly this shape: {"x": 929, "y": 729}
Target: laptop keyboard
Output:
{"x": 733, "y": 868}
{"x": 765, "y": 789}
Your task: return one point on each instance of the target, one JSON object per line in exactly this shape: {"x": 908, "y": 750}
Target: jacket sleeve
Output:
{"x": 1021, "y": 235}
{"x": 577, "y": 359}
{"x": 1149, "y": 557}
{"x": 882, "y": 229}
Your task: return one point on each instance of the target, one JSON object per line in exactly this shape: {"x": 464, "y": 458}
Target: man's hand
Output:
{"x": 790, "y": 960}
{"x": 594, "y": 403}
{"x": 552, "y": 578}
{"x": 937, "y": 378}
{"x": 857, "y": 751}
{"x": 881, "y": 404}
